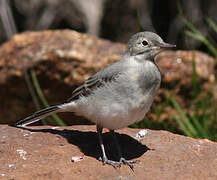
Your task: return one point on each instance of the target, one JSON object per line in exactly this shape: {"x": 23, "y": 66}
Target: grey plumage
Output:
{"x": 120, "y": 94}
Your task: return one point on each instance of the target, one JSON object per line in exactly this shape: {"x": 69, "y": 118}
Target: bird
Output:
{"x": 118, "y": 95}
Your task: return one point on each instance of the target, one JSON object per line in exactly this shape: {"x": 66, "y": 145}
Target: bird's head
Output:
{"x": 147, "y": 44}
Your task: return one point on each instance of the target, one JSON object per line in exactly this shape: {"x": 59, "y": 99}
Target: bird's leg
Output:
{"x": 104, "y": 158}
{"x": 122, "y": 160}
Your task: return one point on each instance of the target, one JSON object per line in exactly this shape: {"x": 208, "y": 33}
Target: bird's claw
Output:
{"x": 115, "y": 164}
{"x": 128, "y": 162}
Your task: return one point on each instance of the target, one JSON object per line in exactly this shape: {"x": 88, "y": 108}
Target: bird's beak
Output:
{"x": 166, "y": 45}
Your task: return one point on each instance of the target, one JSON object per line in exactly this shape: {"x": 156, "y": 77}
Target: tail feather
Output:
{"x": 37, "y": 116}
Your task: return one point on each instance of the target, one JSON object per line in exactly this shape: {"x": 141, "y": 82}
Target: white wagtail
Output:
{"x": 118, "y": 95}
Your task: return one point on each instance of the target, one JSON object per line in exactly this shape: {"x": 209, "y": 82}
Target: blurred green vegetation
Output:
{"x": 202, "y": 122}
{"x": 55, "y": 118}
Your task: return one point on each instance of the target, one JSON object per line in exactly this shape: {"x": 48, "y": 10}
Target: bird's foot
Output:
{"x": 115, "y": 164}
{"x": 128, "y": 162}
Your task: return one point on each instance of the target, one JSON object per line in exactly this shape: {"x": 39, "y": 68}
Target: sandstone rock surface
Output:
{"x": 46, "y": 152}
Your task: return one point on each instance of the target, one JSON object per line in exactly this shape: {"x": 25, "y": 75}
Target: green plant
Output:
{"x": 56, "y": 118}
{"x": 197, "y": 125}
{"x": 192, "y": 31}
{"x": 200, "y": 123}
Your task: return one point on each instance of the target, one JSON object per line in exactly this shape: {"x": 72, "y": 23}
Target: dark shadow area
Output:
{"x": 88, "y": 143}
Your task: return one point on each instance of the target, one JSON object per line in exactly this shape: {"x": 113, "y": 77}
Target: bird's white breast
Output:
{"x": 121, "y": 102}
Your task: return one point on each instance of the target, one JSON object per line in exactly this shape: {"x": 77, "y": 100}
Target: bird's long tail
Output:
{"x": 38, "y": 116}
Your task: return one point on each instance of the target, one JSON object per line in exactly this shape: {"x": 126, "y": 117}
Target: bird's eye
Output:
{"x": 144, "y": 43}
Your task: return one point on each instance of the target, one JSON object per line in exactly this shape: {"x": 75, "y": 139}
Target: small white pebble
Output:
{"x": 22, "y": 153}
{"x": 198, "y": 147}
{"x": 201, "y": 142}
{"x": 60, "y": 53}
{"x": 25, "y": 135}
{"x": 55, "y": 127}
{"x": 77, "y": 158}
{"x": 141, "y": 134}
{"x": 179, "y": 60}
{"x": 2, "y": 174}
{"x": 10, "y": 165}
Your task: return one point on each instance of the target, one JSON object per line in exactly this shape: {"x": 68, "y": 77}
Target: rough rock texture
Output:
{"x": 63, "y": 59}
{"x": 47, "y": 153}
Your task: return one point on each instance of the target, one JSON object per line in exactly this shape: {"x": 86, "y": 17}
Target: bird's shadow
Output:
{"x": 88, "y": 143}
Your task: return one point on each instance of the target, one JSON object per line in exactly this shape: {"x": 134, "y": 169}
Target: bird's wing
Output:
{"x": 99, "y": 79}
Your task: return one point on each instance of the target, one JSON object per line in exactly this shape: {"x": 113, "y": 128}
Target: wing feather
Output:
{"x": 101, "y": 78}
{"x": 89, "y": 85}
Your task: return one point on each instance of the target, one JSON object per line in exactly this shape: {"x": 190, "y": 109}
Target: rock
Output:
{"x": 64, "y": 59}
{"x": 61, "y": 59}
{"x": 47, "y": 153}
